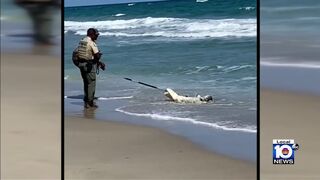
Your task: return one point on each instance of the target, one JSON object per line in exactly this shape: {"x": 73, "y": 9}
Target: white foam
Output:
{"x": 115, "y": 98}
{"x": 168, "y": 27}
{"x": 293, "y": 8}
{"x": 311, "y": 65}
{"x": 117, "y": 15}
{"x": 249, "y": 78}
{"x": 247, "y": 8}
{"x": 236, "y": 68}
{"x": 131, "y": 4}
{"x": 201, "y": 1}
{"x": 109, "y": 98}
{"x": 189, "y": 120}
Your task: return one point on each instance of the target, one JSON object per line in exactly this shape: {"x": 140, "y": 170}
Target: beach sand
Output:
{"x": 109, "y": 150}
{"x": 290, "y": 116}
{"x": 30, "y": 116}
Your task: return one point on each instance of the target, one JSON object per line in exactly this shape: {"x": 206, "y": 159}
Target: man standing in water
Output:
{"x": 89, "y": 56}
{"x": 41, "y": 15}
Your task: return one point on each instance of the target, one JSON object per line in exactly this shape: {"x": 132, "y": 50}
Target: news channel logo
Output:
{"x": 283, "y": 151}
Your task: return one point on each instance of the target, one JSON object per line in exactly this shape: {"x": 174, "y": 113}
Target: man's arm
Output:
{"x": 97, "y": 56}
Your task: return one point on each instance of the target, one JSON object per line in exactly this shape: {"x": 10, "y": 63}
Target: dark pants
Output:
{"x": 42, "y": 17}
{"x": 88, "y": 74}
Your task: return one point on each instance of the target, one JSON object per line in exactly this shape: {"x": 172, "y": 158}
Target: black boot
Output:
{"x": 92, "y": 104}
{"x": 86, "y": 105}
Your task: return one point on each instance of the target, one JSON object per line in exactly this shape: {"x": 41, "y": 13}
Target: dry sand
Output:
{"x": 107, "y": 150}
{"x": 290, "y": 116}
{"x": 30, "y": 117}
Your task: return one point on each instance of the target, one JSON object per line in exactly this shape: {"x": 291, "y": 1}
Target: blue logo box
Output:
{"x": 283, "y": 152}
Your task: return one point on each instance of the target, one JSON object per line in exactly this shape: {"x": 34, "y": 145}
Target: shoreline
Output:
{"x": 17, "y": 37}
{"x": 286, "y": 115}
{"x": 111, "y": 150}
{"x": 298, "y": 80}
{"x": 215, "y": 140}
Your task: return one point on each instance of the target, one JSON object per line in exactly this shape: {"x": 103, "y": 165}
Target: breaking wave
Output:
{"x": 247, "y": 8}
{"x": 189, "y": 120}
{"x": 222, "y": 69}
{"x": 168, "y": 27}
{"x": 119, "y": 14}
{"x": 311, "y": 65}
{"x": 201, "y": 1}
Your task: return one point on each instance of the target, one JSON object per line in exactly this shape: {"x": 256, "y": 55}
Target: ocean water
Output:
{"x": 290, "y": 45}
{"x": 193, "y": 47}
{"x": 17, "y": 31}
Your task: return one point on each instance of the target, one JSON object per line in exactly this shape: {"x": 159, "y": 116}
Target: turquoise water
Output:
{"x": 290, "y": 45}
{"x": 193, "y": 48}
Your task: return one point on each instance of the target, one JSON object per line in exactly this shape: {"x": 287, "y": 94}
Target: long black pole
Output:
{"x": 145, "y": 84}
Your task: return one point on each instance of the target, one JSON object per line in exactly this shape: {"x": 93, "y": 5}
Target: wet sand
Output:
{"x": 108, "y": 150}
{"x": 290, "y": 116}
{"x": 30, "y": 116}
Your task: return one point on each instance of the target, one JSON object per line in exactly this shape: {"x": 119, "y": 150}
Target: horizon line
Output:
{"x": 133, "y": 2}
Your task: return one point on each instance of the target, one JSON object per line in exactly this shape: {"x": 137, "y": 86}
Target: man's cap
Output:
{"x": 93, "y": 31}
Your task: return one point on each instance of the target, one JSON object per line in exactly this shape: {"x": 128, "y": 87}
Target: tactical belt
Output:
{"x": 87, "y": 61}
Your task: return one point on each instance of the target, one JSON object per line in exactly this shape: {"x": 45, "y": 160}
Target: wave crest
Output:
{"x": 247, "y": 8}
{"x": 168, "y": 27}
{"x": 119, "y": 14}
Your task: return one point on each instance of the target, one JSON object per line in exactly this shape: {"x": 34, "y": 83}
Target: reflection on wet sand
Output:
{"x": 89, "y": 113}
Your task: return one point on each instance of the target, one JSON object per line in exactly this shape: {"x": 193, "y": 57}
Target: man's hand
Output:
{"x": 102, "y": 65}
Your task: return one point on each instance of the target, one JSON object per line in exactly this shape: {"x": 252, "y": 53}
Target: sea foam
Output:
{"x": 115, "y": 98}
{"x": 168, "y": 27}
{"x": 119, "y": 14}
{"x": 156, "y": 116}
{"x": 311, "y": 65}
{"x": 201, "y": 1}
{"x": 247, "y": 8}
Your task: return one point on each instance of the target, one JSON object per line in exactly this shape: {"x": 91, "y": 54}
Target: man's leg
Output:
{"x": 45, "y": 24}
{"x": 42, "y": 23}
{"x": 91, "y": 77}
{"x": 85, "y": 87}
